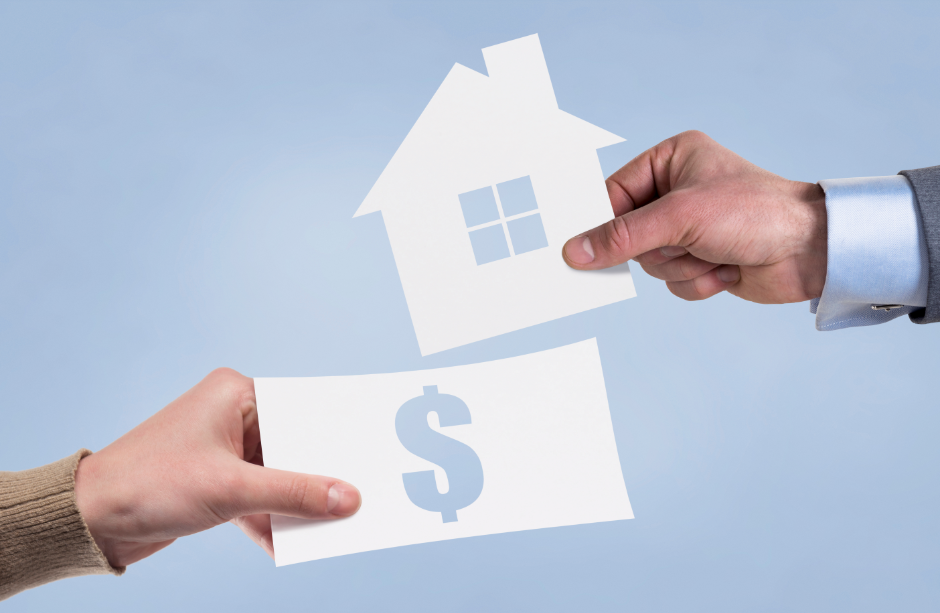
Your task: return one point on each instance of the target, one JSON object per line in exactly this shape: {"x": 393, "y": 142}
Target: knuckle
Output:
{"x": 305, "y": 497}
{"x": 677, "y": 290}
{"x": 687, "y": 290}
{"x": 699, "y": 288}
{"x": 648, "y": 259}
{"x": 223, "y": 373}
{"x": 685, "y": 269}
{"x": 615, "y": 236}
{"x": 692, "y": 290}
{"x": 297, "y": 493}
{"x": 652, "y": 270}
{"x": 611, "y": 186}
{"x": 235, "y": 386}
{"x": 695, "y": 136}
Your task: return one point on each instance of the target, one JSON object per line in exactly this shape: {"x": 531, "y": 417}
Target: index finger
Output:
{"x": 642, "y": 180}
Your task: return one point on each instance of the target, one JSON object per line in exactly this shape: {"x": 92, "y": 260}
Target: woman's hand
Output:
{"x": 194, "y": 465}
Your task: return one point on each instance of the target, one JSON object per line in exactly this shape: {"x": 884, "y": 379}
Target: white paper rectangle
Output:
{"x": 540, "y": 426}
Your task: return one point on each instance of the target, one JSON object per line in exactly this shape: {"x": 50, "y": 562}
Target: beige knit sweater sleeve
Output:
{"x": 42, "y": 534}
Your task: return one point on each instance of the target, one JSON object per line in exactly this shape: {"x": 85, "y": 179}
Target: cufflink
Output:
{"x": 885, "y": 307}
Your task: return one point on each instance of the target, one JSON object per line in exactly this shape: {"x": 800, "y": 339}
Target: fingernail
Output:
{"x": 729, "y": 274}
{"x": 343, "y": 499}
{"x": 579, "y": 250}
{"x": 671, "y": 252}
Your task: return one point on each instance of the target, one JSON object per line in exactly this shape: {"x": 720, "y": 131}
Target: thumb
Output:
{"x": 257, "y": 489}
{"x": 627, "y": 236}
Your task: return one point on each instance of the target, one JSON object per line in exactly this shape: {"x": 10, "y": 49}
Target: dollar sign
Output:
{"x": 464, "y": 471}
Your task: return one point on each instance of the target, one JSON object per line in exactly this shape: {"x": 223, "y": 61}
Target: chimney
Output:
{"x": 519, "y": 69}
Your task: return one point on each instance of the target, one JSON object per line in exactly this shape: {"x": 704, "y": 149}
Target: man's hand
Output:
{"x": 194, "y": 465}
{"x": 705, "y": 220}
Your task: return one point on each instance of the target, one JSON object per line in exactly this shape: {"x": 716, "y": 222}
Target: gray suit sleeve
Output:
{"x": 926, "y": 184}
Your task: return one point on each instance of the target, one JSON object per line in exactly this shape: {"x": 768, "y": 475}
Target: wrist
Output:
{"x": 89, "y": 505}
{"x": 813, "y": 238}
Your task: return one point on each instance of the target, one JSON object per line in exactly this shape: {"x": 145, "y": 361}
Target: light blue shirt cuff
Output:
{"x": 877, "y": 254}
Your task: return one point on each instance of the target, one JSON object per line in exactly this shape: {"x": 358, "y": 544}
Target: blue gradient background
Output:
{"x": 177, "y": 183}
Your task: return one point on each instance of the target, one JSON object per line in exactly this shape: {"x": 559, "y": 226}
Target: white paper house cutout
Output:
{"x": 481, "y": 137}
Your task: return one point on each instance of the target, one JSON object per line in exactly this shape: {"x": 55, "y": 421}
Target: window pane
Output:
{"x": 527, "y": 234}
{"x": 489, "y": 244}
{"x": 517, "y": 196}
{"x": 479, "y": 206}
